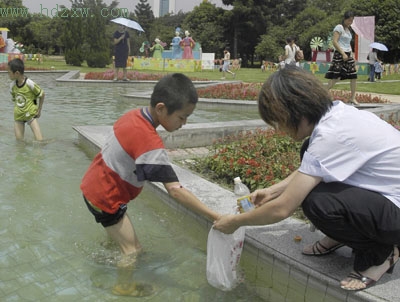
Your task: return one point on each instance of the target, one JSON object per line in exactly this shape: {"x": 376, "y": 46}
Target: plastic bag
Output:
{"x": 223, "y": 256}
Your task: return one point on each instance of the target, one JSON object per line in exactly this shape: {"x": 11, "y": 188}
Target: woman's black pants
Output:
{"x": 363, "y": 220}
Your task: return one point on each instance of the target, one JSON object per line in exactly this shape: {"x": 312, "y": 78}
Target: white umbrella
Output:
{"x": 378, "y": 46}
{"x": 128, "y": 23}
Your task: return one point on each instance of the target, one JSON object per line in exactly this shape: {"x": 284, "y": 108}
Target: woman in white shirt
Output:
{"x": 290, "y": 51}
{"x": 343, "y": 66}
{"x": 348, "y": 180}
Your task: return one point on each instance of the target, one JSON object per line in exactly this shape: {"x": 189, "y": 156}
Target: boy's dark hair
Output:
{"x": 16, "y": 65}
{"x": 175, "y": 91}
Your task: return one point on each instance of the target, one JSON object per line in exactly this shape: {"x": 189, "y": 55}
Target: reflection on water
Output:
{"x": 51, "y": 249}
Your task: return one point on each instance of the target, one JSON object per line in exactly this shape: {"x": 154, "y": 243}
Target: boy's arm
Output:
{"x": 40, "y": 105}
{"x": 189, "y": 200}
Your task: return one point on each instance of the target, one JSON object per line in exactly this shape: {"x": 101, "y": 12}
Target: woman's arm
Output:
{"x": 275, "y": 210}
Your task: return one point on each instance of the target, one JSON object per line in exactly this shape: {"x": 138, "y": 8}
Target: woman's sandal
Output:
{"x": 368, "y": 281}
{"x": 320, "y": 250}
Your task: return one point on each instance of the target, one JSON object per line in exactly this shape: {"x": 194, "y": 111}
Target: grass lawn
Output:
{"x": 250, "y": 75}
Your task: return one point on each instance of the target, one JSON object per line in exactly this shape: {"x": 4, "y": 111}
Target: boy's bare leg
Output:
{"x": 19, "y": 130}
{"x": 124, "y": 234}
{"x": 36, "y": 130}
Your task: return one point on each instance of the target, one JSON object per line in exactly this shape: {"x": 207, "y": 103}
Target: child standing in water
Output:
{"x": 135, "y": 153}
{"x": 28, "y": 100}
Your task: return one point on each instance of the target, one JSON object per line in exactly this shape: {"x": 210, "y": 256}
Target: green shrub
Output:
{"x": 73, "y": 57}
{"x": 98, "y": 59}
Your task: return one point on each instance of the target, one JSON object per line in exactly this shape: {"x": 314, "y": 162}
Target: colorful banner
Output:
{"x": 6, "y": 57}
{"x": 173, "y": 65}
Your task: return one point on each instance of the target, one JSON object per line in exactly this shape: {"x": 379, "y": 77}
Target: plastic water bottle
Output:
{"x": 242, "y": 193}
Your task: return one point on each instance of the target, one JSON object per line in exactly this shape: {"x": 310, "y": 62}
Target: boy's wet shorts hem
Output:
{"x": 106, "y": 219}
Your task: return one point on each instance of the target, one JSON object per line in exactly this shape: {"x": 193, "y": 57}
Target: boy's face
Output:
{"x": 175, "y": 120}
{"x": 12, "y": 75}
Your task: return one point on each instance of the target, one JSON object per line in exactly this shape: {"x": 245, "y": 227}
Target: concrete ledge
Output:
{"x": 190, "y": 136}
{"x": 272, "y": 260}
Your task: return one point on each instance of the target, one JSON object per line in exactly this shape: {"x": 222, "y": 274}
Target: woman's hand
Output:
{"x": 261, "y": 196}
{"x": 226, "y": 224}
{"x": 345, "y": 57}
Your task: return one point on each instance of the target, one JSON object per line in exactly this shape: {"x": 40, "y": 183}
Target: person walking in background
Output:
{"x": 133, "y": 154}
{"x": 378, "y": 70}
{"x": 227, "y": 62}
{"x": 343, "y": 66}
{"x": 290, "y": 51}
{"x": 28, "y": 100}
{"x": 372, "y": 59}
{"x": 347, "y": 182}
{"x": 122, "y": 49}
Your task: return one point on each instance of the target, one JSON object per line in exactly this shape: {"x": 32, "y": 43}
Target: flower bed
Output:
{"x": 250, "y": 91}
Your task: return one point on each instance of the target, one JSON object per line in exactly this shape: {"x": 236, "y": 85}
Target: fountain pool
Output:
{"x": 51, "y": 248}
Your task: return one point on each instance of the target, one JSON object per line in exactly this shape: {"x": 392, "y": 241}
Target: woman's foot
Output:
{"x": 322, "y": 247}
{"x": 354, "y": 102}
{"x": 367, "y": 278}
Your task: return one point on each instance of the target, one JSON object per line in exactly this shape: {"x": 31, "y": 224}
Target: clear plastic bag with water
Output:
{"x": 223, "y": 257}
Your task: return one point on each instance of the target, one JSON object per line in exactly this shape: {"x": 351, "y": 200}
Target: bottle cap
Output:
{"x": 237, "y": 179}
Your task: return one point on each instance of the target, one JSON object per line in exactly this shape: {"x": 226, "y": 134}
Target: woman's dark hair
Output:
{"x": 347, "y": 15}
{"x": 290, "y": 94}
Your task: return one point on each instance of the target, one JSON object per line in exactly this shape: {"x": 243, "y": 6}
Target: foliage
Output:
{"x": 241, "y": 91}
{"x": 254, "y": 29}
{"x": 84, "y": 37}
{"x": 206, "y": 25}
{"x": 250, "y": 91}
{"x": 98, "y": 59}
{"x": 144, "y": 14}
{"x": 72, "y": 36}
{"x": 387, "y": 24}
{"x": 97, "y": 52}
{"x": 261, "y": 158}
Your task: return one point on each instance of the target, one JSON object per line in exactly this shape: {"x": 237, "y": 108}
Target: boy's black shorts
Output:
{"x": 104, "y": 218}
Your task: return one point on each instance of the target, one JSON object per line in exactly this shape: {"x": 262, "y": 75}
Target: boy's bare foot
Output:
{"x": 130, "y": 260}
{"x": 365, "y": 279}
{"x": 322, "y": 247}
{"x": 133, "y": 289}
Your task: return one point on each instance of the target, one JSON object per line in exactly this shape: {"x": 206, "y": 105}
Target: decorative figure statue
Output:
{"x": 188, "y": 44}
{"x": 157, "y": 49}
{"x": 176, "y": 46}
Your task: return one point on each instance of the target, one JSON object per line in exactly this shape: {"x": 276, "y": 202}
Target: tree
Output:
{"x": 145, "y": 16}
{"x": 72, "y": 37}
{"x": 84, "y": 33}
{"x": 387, "y": 24}
{"x": 96, "y": 44}
{"x": 15, "y": 17}
{"x": 206, "y": 25}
